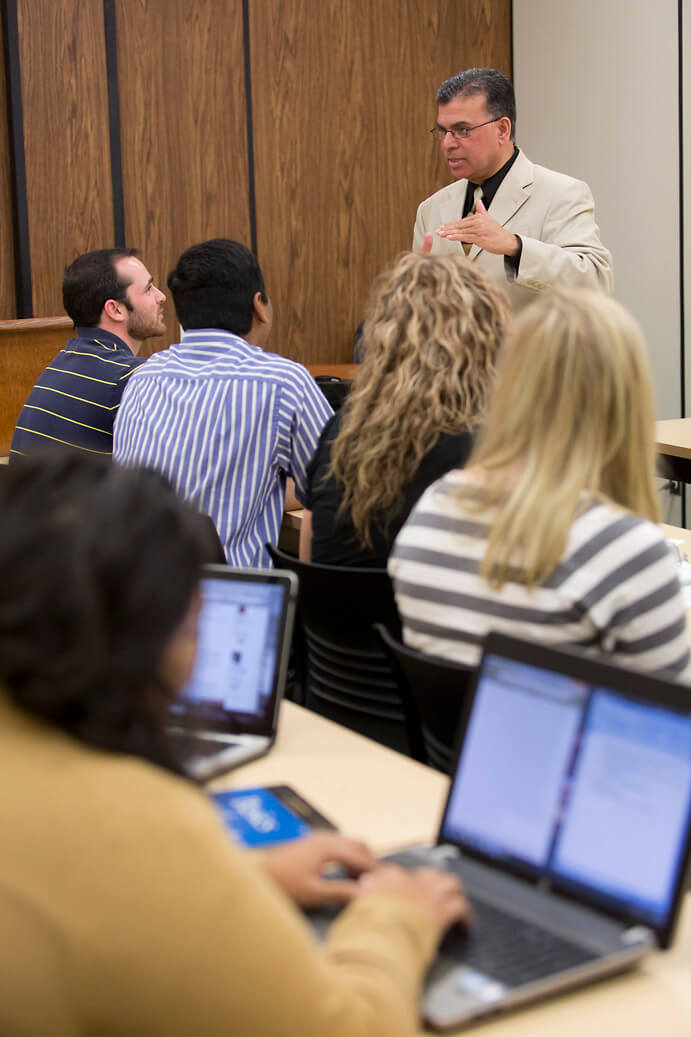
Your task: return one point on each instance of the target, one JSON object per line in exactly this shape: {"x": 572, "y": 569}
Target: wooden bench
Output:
{"x": 26, "y": 347}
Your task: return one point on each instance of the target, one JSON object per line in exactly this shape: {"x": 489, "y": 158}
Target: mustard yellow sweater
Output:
{"x": 125, "y": 909}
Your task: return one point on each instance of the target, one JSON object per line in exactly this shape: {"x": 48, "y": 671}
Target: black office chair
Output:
{"x": 436, "y": 689}
{"x": 346, "y": 674}
{"x": 334, "y": 388}
{"x": 212, "y": 548}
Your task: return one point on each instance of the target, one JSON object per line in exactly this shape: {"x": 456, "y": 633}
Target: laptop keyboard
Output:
{"x": 516, "y": 952}
{"x": 193, "y": 745}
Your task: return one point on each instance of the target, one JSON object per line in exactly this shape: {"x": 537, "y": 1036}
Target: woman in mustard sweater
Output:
{"x": 124, "y": 906}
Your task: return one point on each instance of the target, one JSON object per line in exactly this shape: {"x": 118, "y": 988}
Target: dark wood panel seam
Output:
{"x": 250, "y": 126}
{"x": 15, "y": 131}
{"x": 114, "y": 122}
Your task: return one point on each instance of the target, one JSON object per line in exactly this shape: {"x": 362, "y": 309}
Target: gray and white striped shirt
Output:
{"x": 615, "y": 591}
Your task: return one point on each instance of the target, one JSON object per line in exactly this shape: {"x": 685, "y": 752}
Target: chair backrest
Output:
{"x": 346, "y": 672}
{"x": 335, "y": 389}
{"x": 437, "y": 690}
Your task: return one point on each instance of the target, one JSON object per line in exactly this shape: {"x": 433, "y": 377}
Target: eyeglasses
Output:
{"x": 460, "y": 132}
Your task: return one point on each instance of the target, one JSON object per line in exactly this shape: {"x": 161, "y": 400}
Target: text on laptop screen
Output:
{"x": 237, "y": 654}
{"x": 578, "y": 782}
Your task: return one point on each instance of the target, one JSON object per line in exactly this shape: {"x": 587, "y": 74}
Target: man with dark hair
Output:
{"x": 114, "y": 304}
{"x": 225, "y": 421}
{"x": 528, "y": 226}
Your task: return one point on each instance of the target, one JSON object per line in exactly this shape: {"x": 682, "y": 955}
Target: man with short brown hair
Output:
{"x": 114, "y": 304}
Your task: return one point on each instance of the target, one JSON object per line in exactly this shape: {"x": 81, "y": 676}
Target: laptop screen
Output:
{"x": 241, "y": 633}
{"x": 575, "y": 782}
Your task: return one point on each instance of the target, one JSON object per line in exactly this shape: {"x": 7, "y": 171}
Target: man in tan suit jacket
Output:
{"x": 528, "y": 226}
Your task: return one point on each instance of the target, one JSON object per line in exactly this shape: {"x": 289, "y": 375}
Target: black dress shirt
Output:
{"x": 489, "y": 189}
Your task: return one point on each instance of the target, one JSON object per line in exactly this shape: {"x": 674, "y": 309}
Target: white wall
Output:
{"x": 597, "y": 97}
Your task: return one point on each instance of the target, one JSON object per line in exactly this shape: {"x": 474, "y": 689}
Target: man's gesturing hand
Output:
{"x": 479, "y": 228}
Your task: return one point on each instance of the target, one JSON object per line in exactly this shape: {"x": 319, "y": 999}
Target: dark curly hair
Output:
{"x": 98, "y": 566}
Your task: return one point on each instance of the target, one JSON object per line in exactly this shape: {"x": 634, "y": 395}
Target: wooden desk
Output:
{"x": 390, "y": 801}
{"x": 289, "y": 537}
{"x": 673, "y": 442}
{"x": 673, "y": 437}
{"x": 677, "y": 533}
{"x": 293, "y": 520}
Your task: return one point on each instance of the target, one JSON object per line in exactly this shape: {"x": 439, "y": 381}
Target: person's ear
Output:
{"x": 114, "y": 310}
{"x": 504, "y": 127}
{"x": 262, "y": 308}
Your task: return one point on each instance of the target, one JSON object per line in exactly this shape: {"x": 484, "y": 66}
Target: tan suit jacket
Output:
{"x": 552, "y": 213}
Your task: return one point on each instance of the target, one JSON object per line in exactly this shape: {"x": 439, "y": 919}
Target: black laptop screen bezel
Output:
{"x": 264, "y": 723}
{"x": 633, "y": 686}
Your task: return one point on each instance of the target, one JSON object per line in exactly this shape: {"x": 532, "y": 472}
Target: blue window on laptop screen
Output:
{"x": 627, "y": 810}
{"x": 517, "y": 751}
{"x": 236, "y": 657}
{"x": 581, "y": 784}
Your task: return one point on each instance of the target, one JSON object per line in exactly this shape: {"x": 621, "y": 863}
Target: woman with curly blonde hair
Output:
{"x": 431, "y": 337}
{"x": 550, "y": 533}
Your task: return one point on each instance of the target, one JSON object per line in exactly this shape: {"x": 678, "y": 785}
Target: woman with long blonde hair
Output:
{"x": 550, "y": 532}
{"x": 431, "y": 337}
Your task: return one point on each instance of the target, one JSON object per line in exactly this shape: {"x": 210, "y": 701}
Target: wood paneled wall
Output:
{"x": 183, "y": 128}
{"x": 342, "y": 96}
{"x": 66, "y": 145}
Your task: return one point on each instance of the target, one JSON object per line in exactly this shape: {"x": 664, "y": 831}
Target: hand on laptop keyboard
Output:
{"x": 299, "y": 868}
{"x": 437, "y": 893}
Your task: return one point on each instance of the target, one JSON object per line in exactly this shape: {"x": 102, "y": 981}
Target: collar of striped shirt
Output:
{"x": 103, "y": 338}
{"x": 216, "y": 335}
{"x": 198, "y": 342}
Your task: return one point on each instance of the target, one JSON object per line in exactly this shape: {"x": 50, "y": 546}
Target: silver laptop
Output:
{"x": 228, "y": 713}
{"x": 568, "y": 819}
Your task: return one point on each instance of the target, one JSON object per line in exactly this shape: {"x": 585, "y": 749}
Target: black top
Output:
{"x": 489, "y": 189}
{"x": 334, "y": 541}
{"x": 490, "y": 186}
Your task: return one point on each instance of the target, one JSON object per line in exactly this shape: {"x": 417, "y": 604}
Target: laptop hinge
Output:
{"x": 637, "y": 934}
{"x": 444, "y": 852}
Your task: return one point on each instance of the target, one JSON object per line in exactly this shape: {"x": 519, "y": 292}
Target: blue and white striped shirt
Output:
{"x": 226, "y": 423}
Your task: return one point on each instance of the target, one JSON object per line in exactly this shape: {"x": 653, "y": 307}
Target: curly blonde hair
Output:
{"x": 572, "y": 414}
{"x": 433, "y": 328}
